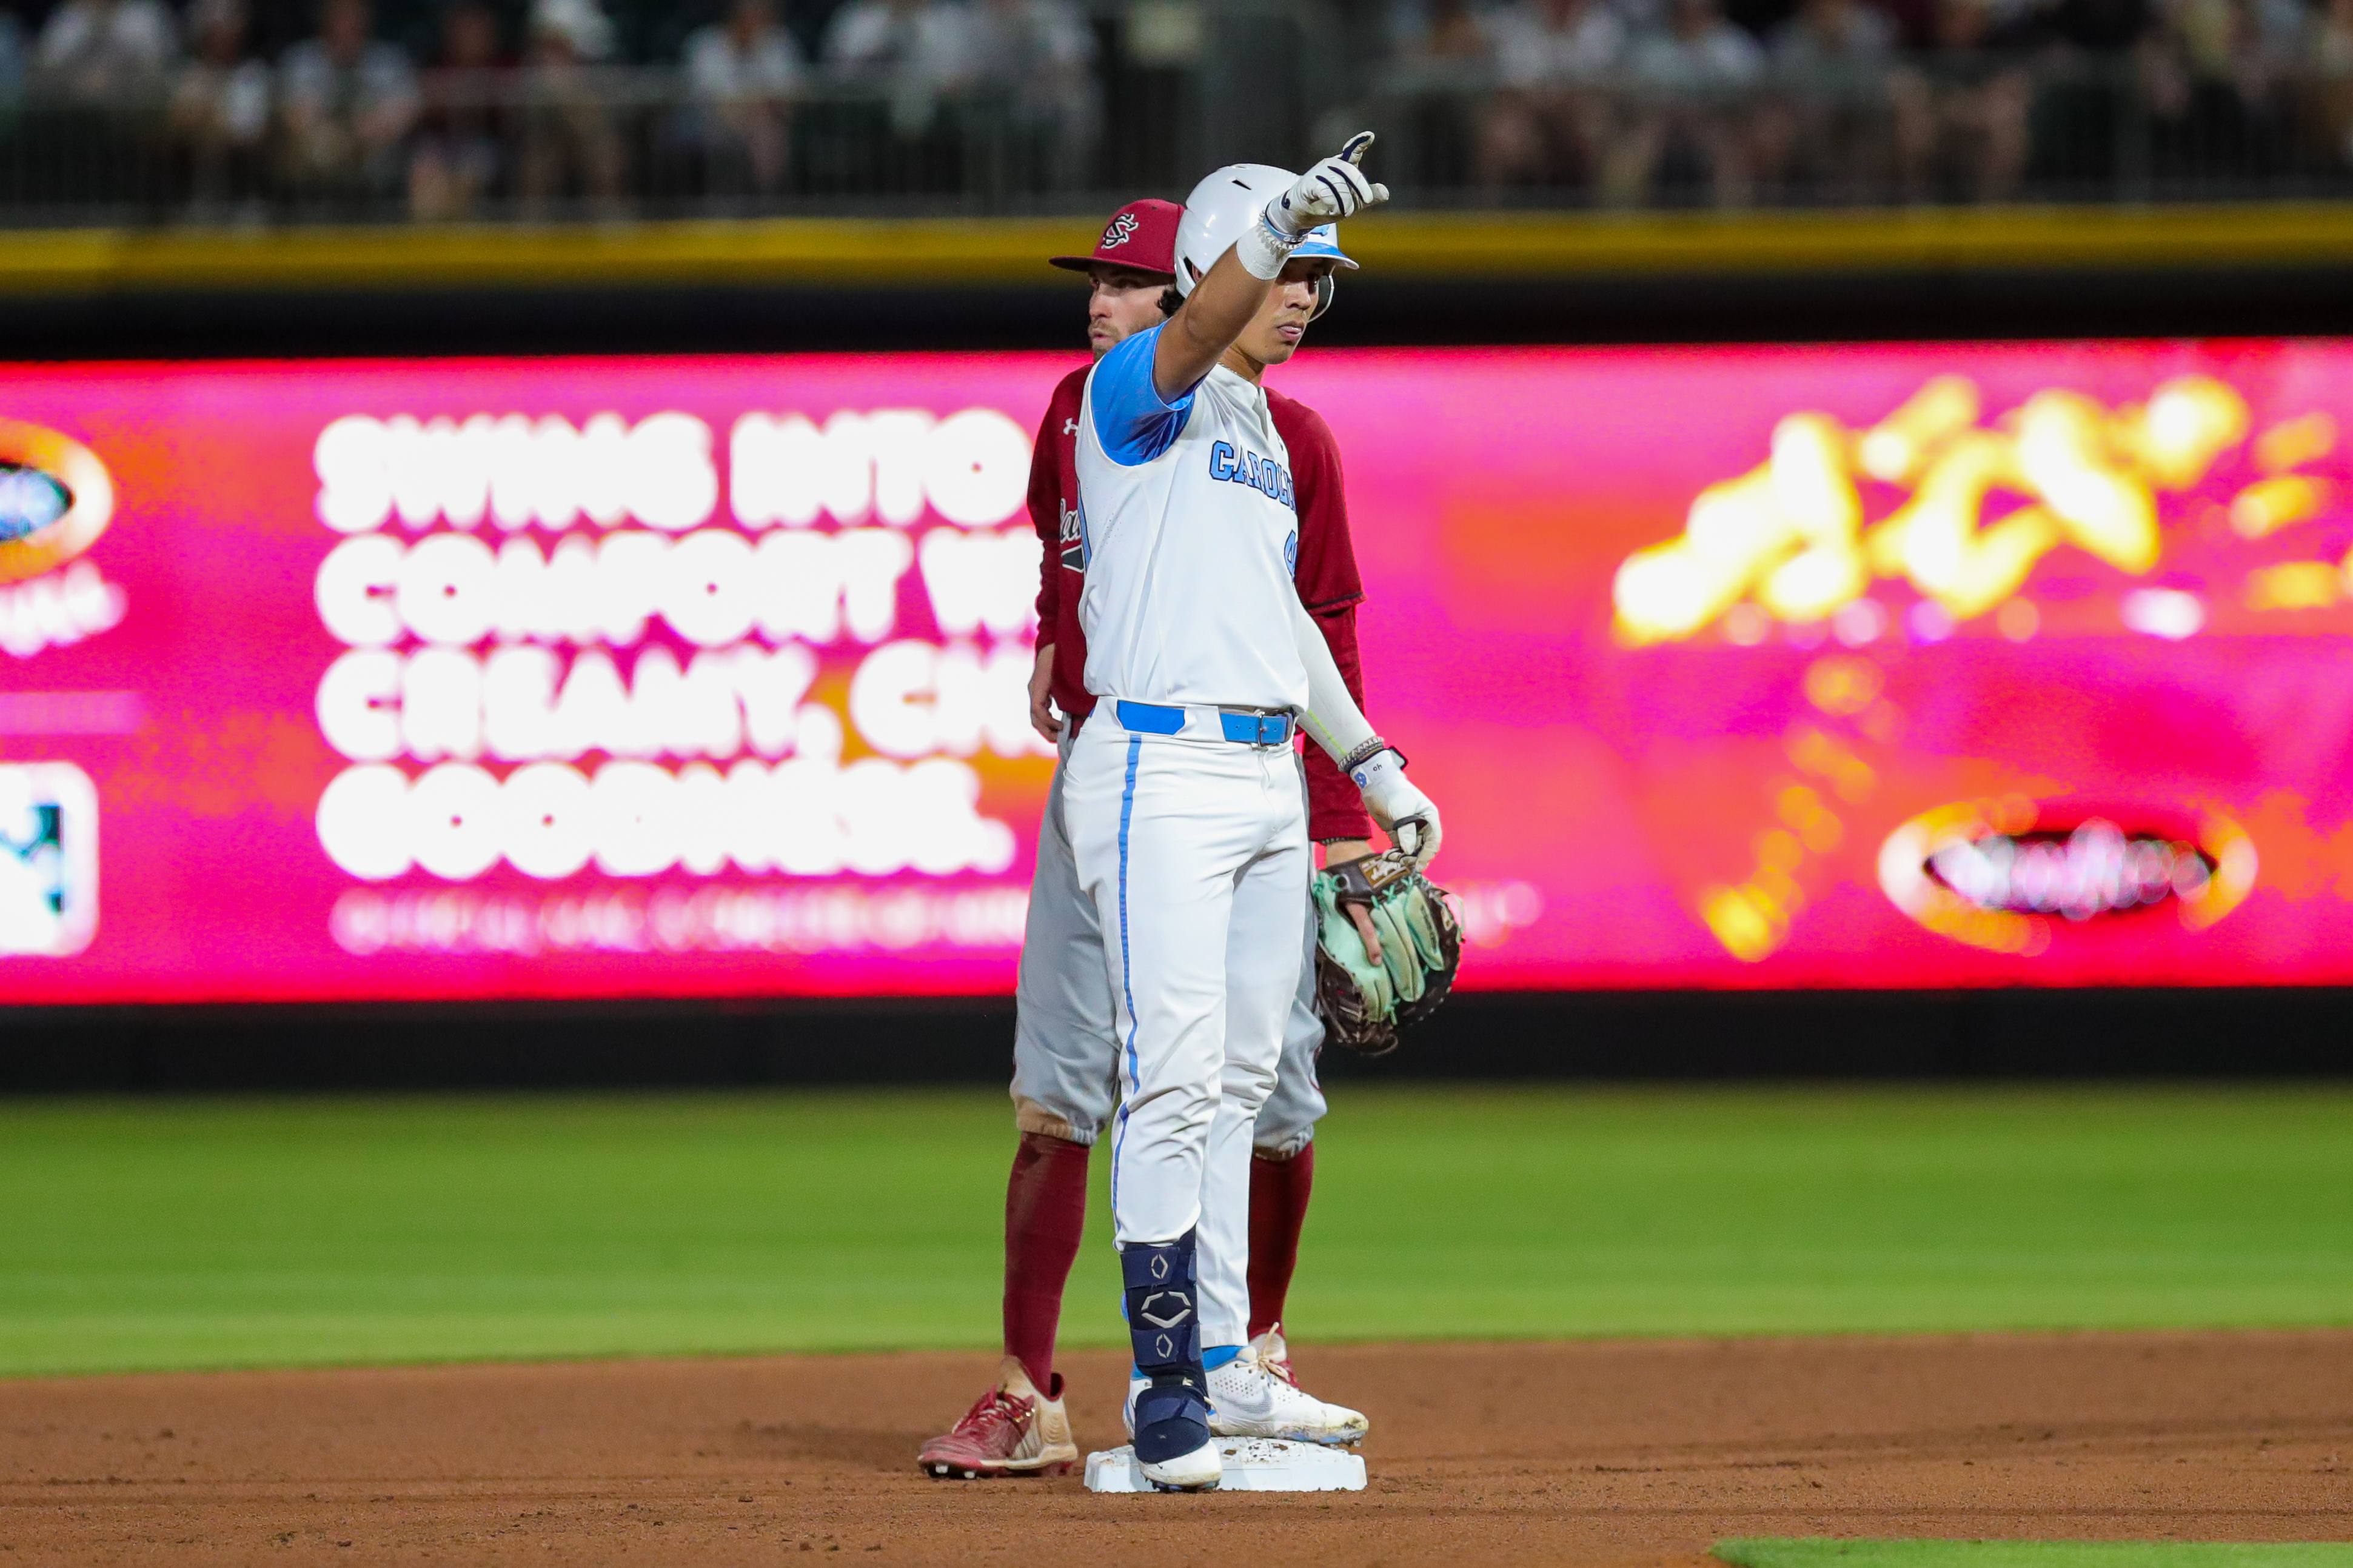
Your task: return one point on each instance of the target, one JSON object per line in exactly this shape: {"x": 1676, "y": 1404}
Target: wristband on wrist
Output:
{"x": 1366, "y": 753}
{"x": 1263, "y": 248}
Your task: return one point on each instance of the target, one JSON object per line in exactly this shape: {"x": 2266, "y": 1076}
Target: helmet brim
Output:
{"x": 1323, "y": 244}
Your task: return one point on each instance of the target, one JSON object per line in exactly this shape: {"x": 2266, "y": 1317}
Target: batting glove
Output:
{"x": 1332, "y": 190}
{"x": 1409, "y": 816}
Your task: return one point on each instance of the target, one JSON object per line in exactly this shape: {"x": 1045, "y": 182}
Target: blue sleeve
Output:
{"x": 1131, "y": 421}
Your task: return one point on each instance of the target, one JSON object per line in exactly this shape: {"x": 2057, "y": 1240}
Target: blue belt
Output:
{"x": 1240, "y": 725}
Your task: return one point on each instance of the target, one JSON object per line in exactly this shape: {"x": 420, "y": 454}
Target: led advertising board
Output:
{"x": 1870, "y": 667}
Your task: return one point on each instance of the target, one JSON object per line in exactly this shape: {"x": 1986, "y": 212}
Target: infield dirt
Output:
{"x": 1605, "y": 1454}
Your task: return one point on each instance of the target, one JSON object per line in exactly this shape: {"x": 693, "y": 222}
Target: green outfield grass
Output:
{"x": 198, "y": 1234}
{"x": 1822, "y": 1554}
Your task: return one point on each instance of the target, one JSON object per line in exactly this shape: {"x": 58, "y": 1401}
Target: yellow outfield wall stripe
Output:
{"x": 1012, "y": 251}
{"x": 781, "y": 250}
{"x": 1919, "y": 239}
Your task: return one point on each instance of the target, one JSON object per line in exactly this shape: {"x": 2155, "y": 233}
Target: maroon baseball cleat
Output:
{"x": 1014, "y": 1430}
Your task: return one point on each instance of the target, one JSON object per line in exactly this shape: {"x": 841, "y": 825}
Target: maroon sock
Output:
{"x": 1045, "y": 1216}
{"x": 1279, "y": 1189}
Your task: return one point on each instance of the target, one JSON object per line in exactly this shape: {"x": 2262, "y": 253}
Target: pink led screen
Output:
{"x": 1858, "y": 666}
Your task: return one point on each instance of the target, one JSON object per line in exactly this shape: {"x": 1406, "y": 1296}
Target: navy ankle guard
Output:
{"x": 1164, "y": 1325}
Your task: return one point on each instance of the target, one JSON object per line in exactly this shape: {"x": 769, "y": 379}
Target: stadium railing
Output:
{"x": 599, "y": 143}
{"x": 632, "y": 143}
{"x": 1921, "y": 129}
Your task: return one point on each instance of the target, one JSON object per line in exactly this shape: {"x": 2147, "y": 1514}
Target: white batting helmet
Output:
{"x": 1227, "y": 201}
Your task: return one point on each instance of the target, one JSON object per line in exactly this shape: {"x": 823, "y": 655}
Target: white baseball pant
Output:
{"x": 1065, "y": 1074}
{"x": 1195, "y": 856}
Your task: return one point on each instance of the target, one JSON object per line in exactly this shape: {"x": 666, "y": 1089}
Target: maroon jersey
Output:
{"x": 1327, "y": 575}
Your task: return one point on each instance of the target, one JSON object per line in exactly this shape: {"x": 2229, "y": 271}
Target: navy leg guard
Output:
{"x": 1164, "y": 1322}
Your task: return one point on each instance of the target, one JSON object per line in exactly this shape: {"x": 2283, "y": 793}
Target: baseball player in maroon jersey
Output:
{"x": 1065, "y": 1082}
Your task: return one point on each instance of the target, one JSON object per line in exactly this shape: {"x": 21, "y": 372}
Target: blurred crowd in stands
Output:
{"x": 1736, "y": 100}
{"x": 473, "y": 105}
{"x": 451, "y": 109}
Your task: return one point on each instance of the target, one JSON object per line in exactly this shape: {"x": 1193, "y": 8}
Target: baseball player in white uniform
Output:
{"x": 1065, "y": 1077}
{"x": 1181, "y": 794}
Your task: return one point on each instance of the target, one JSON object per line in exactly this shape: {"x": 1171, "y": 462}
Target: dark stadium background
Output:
{"x": 2007, "y": 1034}
{"x": 2277, "y": 260}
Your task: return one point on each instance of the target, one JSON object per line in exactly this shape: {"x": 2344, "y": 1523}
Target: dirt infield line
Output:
{"x": 1619, "y": 1455}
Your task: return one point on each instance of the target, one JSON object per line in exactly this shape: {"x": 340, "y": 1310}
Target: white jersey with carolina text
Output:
{"x": 1191, "y": 535}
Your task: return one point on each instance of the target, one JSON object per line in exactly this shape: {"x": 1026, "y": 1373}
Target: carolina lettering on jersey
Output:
{"x": 1322, "y": 563}
{"x": 1262, "y": 474}
{"x": 1189, "y": 597}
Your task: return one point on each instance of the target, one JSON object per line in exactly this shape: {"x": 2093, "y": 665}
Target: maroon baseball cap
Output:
{"x": 1141, "y": 234}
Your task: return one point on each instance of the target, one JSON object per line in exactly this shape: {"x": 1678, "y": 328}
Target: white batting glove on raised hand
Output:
{"x": 1409, "y": 816}
{"x": 1332, "y": 190}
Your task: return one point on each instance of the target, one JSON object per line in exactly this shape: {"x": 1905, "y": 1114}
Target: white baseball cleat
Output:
{"x": 1247, "y": 1400}
{"x": 1199, "y": 1471}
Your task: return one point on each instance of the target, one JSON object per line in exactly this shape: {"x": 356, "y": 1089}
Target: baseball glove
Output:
{"x": 1365, "y": 1003}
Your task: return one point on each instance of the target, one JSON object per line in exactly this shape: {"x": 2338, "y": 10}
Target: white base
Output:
{"x": 1252, "y": 1465}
